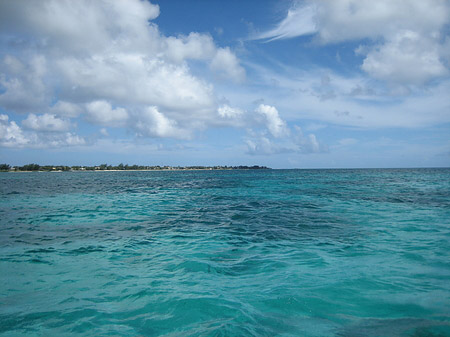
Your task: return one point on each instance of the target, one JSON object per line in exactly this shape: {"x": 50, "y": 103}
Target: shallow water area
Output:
{"x": 226, "y": 253}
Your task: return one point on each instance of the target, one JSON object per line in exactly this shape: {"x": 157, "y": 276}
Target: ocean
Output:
{"x": 362, "y": 252}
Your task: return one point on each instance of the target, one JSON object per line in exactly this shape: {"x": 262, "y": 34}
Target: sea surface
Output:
{"x": 226, "y": 253}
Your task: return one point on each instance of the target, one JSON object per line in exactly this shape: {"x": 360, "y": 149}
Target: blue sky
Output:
{"x": 287, "y": 84}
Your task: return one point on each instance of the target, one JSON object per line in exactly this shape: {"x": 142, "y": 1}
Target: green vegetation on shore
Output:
{"x": 120, "y": 167}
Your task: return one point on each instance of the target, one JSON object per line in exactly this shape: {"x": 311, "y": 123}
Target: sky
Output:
{"x": 285, "y": 84}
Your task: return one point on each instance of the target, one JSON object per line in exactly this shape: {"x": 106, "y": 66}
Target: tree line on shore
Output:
{"x": 120, "y": 167}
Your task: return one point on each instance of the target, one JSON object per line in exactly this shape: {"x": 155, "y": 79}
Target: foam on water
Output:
{"x": 226, "y": 253}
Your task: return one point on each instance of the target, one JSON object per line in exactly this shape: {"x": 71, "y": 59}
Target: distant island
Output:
{"x": 120, "y": 167}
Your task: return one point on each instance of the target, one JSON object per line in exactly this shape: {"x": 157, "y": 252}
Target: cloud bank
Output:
{"x": 107, "y": 63}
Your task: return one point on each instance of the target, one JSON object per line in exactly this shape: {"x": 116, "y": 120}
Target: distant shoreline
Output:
{"x": 58, "y": 171}
{"x": 121, "y": 168}
{"x": 216, "y": 168}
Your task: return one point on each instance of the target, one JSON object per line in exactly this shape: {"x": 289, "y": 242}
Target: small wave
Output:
{"x": 14, "y": 193}
{"x": 192, "y": 267}
{"x": 41, "y": 250}
{"x": 37, "y": 260}
{"x": 86, "y": 250}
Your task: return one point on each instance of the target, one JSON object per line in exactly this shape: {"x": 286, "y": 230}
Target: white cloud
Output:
{"x": 153, "y": 123}
{"x": 296, "y": 143}
{"x": 312, "y": 143}
{"x": 226, "y": 111}
{"x": 66, "y": 109}
{"x": 202, "y": 47}
{"x": 265, "y": 146}
{"x": 82, "y": 26}
{"x": 46, "y": 123}
{"x": 232, "y": 116}
{"x": 102, "y": 113}
{"x": 406, "y": 58}
{"x": 46, "y": 140}
{"x": 358, "y": 19}
{"x": 90, "y": 54}
{"x": 407, "y": 43}
{"x": 135, "y": 79}
{"x": 11, "y": 134}
{"x": 24, "y": 88}
{"x": 227, "y": 65}
{"x": 280, "y": 138}
{"x": 71, "y": 139}
{"x": 276, "y": 126}
{"x": 300, "y": 20}
{"x": 194, "y": 46}
{"x": 307, "y": 144}
{"x": 341, "y": 20}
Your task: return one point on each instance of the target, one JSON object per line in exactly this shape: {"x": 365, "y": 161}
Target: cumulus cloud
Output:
{"x": 194, "y": 46}
{"x": 407, "y": 35}
{"x": 102, "y": 113}
{"x": 12, "y": 135}
{"x": 70, "y": 139}
{"x": 106, "y": 62}
{"x": 153, "y": 123}
{"x": 66, "y": 109}
{"x": 22, "y": 83}
{"x": 227, "y": 65}
{"x": 280, "y": 138}
{"x": 46, "y": 122}
{"x": 276, "y": 126}
{"x": 226, "y": 111}
{"x": 197, "y": 46}
{"x": 264, "y": 145}
{"x": 135, "y": 79}
{"x": 407, "y": 57}
{"x": 81, "y": 27}
{"x": 308, "y": 143}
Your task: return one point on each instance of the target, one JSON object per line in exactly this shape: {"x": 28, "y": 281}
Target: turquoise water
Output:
{"x": 226, "y": 253}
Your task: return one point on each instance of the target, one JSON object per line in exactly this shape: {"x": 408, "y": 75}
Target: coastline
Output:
{"x": 143, "y": 170}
